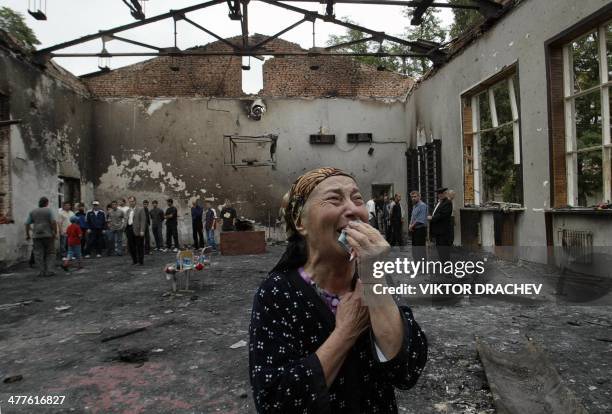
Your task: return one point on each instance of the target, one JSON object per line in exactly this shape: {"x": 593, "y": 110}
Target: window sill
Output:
{"x": 493, "y": 209}
{"x": 579, "y": 211}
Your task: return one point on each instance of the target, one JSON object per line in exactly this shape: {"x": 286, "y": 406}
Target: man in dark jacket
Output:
{"x": 441, "y": 225}
{"x": 157, "y": 218}
{"x": 197, "y": 226}
{"x": 396, "y": 219}
{"x": 41, "y": 226}
{"x": 135, "y": 231}
{"x": 147, "y": 235}
{"x": 172, "y": 226}
{"x": 96, "y": 227}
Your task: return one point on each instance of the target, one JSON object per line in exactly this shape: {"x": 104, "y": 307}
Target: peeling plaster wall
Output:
{"x": 435, "y": 105}
{"x": 53, "y": 138}
{"x": 157, "y": 149}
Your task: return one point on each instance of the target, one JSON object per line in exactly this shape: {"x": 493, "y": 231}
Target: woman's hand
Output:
{"x": 366, "y": 241}
{"x": 352, "y": 316}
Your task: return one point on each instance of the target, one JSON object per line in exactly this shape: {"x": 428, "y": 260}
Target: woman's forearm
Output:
{"x": 332, "y": 354}
{"x": 387, "y": 326}
{"x": 385, "y": 317}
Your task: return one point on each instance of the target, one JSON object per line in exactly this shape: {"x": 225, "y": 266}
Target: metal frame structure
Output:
{"x": 231, "y": 142}
{"x": 238, "y": 10}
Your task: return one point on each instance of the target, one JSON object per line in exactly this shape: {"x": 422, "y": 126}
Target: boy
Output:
{"x": 74, "y": 235}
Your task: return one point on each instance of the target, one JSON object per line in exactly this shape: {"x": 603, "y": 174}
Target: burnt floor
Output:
{"x": 190, "y": 366}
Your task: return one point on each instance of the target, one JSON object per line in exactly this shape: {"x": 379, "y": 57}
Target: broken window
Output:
{"x": 492, "y": 148}
{"x": 587, "y": 71}
{"x": 5, "y": 177}
{"x": 250, "y": 151}
{"x": 424, "y": 167}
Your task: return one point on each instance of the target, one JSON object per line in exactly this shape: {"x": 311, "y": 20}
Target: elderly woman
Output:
{"x": 314, "y": 345}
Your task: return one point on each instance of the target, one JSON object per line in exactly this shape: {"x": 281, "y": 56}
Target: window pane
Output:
{"x": 502, "y": 102}
{"x": 588, "y": 120}
{"x": 499, "y": 177}
{"x": 585, "y": 60}
{"x": 485, "y": 111}
{"x": 590, "y": 178}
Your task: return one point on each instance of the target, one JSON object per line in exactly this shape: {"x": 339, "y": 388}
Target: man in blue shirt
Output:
{"x": 96, "y": 227}
{"x": 418, "y": 226}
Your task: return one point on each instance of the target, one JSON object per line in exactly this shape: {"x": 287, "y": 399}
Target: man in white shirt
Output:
{"x": 371, "y": 206}
{"x": 63, "y": 221}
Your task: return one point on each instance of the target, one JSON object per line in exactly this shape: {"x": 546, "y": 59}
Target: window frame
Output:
{"x": 569, "y": 100}
{"x": 473, "y": 97}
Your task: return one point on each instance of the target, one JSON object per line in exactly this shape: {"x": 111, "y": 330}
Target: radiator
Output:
{"x": 577, "y": 245}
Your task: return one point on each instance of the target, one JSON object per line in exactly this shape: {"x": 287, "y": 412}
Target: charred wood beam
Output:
{"x": 118, "y": 29}
{"x": 416, "y": 46}
{"x": 329, "y": 8}
{"x": 417, "y": 14}
{"x": 135, "y": 9}
{"x": 9, "y": 122}
{"x": 234, "y": 9}
{"x": 275, "y": 36}
{"x": 488, "y": 8}
{"x": 245, "y": 24}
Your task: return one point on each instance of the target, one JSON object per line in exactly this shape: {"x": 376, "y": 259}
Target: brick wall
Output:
{"x": 219, "y": 76}
{"x": 197, "y": 76}
{"x": 291, "y": 76}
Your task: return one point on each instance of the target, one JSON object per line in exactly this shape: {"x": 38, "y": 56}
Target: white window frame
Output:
{"x": 476, "y": 130}
{"x": 569, "y": 96}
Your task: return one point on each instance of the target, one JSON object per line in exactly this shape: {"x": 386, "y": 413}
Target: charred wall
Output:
{"x": 52, "y": 140}
{"x": 175, "y": 148}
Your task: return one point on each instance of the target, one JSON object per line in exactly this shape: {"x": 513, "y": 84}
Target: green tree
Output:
{"x": 390, "y": 63}
{"x": 431, "y": 30}
{"x": 463, "y": 19}
{"x": 14, "y": 23}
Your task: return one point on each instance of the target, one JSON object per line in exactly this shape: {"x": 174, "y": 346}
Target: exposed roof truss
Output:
{"x": 238, "y": 10}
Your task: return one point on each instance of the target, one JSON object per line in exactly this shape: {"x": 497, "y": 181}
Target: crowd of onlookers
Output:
{"x": 84, "y": 233}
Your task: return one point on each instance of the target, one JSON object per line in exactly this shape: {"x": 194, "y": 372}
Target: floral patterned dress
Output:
{"x": 289, "y": 322}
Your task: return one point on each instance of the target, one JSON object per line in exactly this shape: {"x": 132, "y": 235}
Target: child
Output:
{"x": 74, "y": 234}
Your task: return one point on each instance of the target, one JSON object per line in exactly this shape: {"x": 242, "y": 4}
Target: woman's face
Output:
{"x": 330, "y": 207}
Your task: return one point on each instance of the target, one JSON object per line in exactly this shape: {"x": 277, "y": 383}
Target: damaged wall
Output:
{"x": 335, "y": 76}
{"x": 163, "y": 148}
{"x": 434, "y": 107}
{"x": 53, "y": 139}
{"x": 219, "y": 76}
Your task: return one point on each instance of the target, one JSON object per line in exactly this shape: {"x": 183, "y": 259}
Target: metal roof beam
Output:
{"x": 117, "y": 29}
{"x": 418, "y": 47}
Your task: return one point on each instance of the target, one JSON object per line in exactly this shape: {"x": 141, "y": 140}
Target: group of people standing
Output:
{"x": 440, "y": 223}
{"x": 386, "y": 215}
{"x": 204, "y": 219}
{"x": 96, "y": 231}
